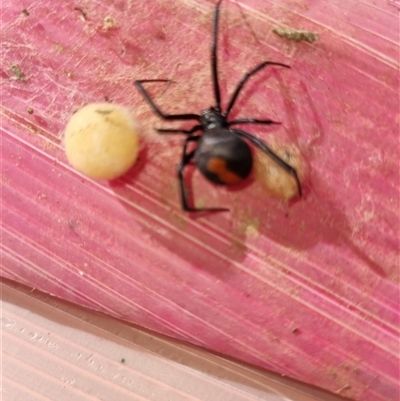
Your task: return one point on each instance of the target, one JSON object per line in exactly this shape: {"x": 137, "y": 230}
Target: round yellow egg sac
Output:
{"x": 101, "y": 140}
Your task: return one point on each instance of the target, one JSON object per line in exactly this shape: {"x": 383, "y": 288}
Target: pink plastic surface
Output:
{"x": 310, "y": 289}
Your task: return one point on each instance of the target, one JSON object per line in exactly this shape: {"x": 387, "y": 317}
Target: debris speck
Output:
{"x": 84, "y": 15}
{"x": 25, "y": 12}
{"x": 104, "y": 112}
{"x": 109, "y": 23}
{"x": 30, "y": 110}
{"x": 59, "y": 48}
{"x": 18, "y": 72}
{"x": 302, "y": 5}
{"x": 345, "y": 387}
{"x": 295, "y": 35}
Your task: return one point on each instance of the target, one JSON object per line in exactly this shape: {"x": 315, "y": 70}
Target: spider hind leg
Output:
{"x": 186, "y": 159}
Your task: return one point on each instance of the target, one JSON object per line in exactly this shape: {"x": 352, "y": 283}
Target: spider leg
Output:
{"x": 214, "y": 61}
{"x": 251, "y": 121}
{"x": 186, "y": 159}
{"x": 245, "y": 78}
{"x": 156, "y": 109}
{"x": 179, "y": 131}
{"x": 261, "y": 145}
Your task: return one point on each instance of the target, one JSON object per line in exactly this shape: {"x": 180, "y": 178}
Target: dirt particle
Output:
{"x": 160, "y": 34}
{"x": 342, "y": 389}
{"x": 109, "y": 23}
{"x": 296, "y": 35}
{"x": 59, "y": 48}
{"x": 18, "y": 72}
{"x": 83, "y": 14}
{"x": 104, "y": 112}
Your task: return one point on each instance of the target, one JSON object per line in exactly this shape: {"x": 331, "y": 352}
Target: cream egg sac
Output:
{"x": 101, "y": 140}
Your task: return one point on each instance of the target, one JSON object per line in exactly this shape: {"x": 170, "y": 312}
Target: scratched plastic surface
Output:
{"x": 309, "y": 289}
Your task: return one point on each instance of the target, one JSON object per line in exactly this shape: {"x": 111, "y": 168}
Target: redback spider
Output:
{"x": 222, "y": 155}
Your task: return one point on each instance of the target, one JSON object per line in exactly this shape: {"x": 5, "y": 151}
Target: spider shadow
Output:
{"x": 170, "y": 228}
{"x": 303, "y": 223}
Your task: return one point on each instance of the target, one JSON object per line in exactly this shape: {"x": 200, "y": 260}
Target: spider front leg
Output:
{"x": 186, "y": 158}
{"x": 251, "y": 121}
{"x": 214, "y": 59}
{"x": 179, "y": 131}
{"x": 261, "y": 145}
{"x": 139, "y": 85}
{"x": 245, "y": 78}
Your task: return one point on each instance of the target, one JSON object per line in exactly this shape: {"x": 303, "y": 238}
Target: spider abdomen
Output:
{"x": 223, "y": 157}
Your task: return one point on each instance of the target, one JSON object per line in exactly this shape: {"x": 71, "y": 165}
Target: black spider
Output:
{"x": 221, "y": 154}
